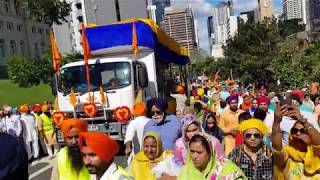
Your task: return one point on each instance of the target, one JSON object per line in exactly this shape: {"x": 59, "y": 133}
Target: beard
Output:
{"x": 223, "y": 104}
{"x": 75, "y": 157}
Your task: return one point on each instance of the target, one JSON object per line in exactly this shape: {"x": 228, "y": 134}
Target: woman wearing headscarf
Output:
{"x": 247, "y": 103}
{"x": 191, "y": 126}
{"x": 301, "y": 158}
{"x": 142, "y": 163}
{"x": 254, "y": 157}
{"x": 210, "y": 126}
{"x": 203, "y": 164}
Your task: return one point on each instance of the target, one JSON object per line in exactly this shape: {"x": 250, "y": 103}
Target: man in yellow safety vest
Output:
{"x": 47, "y": 131}
{"x": 69, "y": 164}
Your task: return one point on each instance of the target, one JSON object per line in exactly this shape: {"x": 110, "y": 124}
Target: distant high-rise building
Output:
{"x": 95, "y": 12}
{"x": 218, "y": 27}
{"x": 314, "y": 15}
{"x": 20, "y": 35}
{"x": 179, "y": 24}
{"x": 265, "y": 9}
{"x": 250, "y": 15}
{"x": 292, "y": 9}
{"x": 160, "y": 6}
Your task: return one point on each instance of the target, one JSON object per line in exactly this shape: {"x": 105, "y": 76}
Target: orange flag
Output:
{"x": 73, "y": 98}
{"x": 85, "y": 46}
{"x": 102, "y": 96}
{"x": 135, "y": 48}
{"x": 86, "y": 57}
{"x": 56, "y": 59}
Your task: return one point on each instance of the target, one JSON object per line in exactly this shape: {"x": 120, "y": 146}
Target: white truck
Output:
{"x": 122, "y": 76}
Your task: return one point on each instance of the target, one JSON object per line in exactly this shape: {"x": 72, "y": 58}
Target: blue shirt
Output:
{"x": 169, "y": 130}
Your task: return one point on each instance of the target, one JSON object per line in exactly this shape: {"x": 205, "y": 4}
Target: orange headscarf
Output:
{"x": 24, "y": 108}
{"x": 100, "y": 143}
{"x": 139, "y": 109}
{"x": 44, "y": 108}
{"x": 67, "y": 125}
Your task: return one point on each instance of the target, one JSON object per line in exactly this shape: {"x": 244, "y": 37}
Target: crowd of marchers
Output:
{"x": 218, "y": 132}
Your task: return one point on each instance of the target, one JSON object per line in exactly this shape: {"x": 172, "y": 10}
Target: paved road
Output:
{"x": 41, "y": 169}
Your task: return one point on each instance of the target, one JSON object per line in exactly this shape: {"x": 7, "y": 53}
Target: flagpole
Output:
{"x": 86, "y": 56}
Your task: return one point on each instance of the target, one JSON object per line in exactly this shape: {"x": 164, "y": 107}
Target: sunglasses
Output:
{"x": 296, "y": 130}
{"x": 156, "y": 112}
{"x": 256, "y": 136}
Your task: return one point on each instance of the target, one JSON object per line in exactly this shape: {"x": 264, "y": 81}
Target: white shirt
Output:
{"x": 287, "y": 123}
{"x": 112, "y": 173}
{"x": 181, "y": 101}
{"x": 29, "y": 129}
{"x": 12, "y": 125}
{"x": 135, "y": 129}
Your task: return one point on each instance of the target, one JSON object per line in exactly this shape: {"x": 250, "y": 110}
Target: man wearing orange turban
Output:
{"x": 135, "y": 129}
{"x": 98, "y": 151}
{"x": 30, "y": 133}
{"x": 69, "y": 164}
{"x": 47, "y": 131}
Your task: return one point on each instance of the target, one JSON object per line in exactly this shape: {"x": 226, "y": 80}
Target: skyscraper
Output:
{"x": 293, "y": 9}
{"x": 218, "y": 25}
{"x": 20, "y": 35}
{"x": 160, "y": 6}
{"x": 265, "y": 9}
{"x": 179, "y": 24}
{"x": 315, "y": 15}
{"x": 95, "y": 12}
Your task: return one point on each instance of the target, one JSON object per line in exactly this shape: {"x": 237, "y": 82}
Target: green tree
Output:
{"x": 251, "y": 51}
{"x": 290, "y": 27}
{"x": 22, "y": 71}
{"x": 47, "y": 11}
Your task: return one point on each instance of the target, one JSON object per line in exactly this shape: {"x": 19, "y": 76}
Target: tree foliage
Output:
{"x": 47, "y": 11}
{"x": 28, "y": 72}
{"x": 261, "y": 53}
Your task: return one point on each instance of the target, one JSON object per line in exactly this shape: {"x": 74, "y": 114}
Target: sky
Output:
{"x": 203, "y": 9}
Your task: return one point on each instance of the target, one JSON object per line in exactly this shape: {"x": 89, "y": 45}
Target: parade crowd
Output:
{"x": 219, "y": 132}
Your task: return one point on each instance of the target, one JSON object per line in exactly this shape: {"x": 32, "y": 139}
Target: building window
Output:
{"x": 19, "y": 27}
{"x": 22, "y": 48}
{"x": 1, "y": 25}
{"x": 36, "y": 49}
{"x": 79, "y": 6}
{"x": 16, "y": 7}
{"x": 13, "y": 47}
{"x": 80, "y": 19}
{"x": 10, "y": 26}
{"x": 7, "y": 5}
{"x": 40, "y": 31}
{"x": 42, "y": 46}
{"x": 2, "y": 48}
{"x": 33, "y": 30}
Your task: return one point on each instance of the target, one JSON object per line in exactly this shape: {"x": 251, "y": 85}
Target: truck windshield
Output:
{"x": 111, "y": 75}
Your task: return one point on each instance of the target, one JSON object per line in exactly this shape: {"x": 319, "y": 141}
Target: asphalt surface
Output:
{"x": 41, "y": 169}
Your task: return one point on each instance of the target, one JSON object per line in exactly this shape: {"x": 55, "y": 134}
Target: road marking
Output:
{"x": 40, "y": 171}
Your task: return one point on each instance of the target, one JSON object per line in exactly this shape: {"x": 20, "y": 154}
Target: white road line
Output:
{"x": 40, "y": 171}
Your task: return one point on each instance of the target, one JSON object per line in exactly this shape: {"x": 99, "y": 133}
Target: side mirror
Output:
{"x": 142, "y": 75}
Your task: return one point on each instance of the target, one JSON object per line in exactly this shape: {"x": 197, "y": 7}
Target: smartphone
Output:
{"x": 286, "y": 100}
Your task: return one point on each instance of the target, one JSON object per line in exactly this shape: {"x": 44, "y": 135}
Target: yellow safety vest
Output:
{"x": 47, "y": 123}
{"x": 65, "y": 170}
{"x": 36, "y": 117}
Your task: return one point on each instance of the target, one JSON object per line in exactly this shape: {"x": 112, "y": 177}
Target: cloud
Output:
{"x": 202, "y": 9}
{"x": 245, "y": 5}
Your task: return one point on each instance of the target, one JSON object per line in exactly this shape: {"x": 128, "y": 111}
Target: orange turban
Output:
{"x": 139, "y": 109}
{"x": 100, "y": 143}
{"x": 44, "y": 108}
{"x": 24, "y": 108}
{"x": 67, "y": 125}
{"x": 36, "y": 107}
